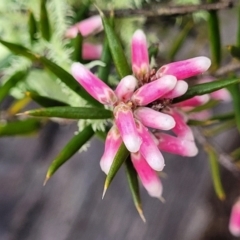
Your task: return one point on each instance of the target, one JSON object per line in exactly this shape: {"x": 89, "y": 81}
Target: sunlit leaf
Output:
{"x": 69, "y": 150}
{"x": 71, "y": 112}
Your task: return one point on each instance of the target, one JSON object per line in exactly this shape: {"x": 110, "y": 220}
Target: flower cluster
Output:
{"x": 142, "y": 107}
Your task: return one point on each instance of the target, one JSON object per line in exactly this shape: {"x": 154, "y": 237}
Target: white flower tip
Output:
{"x": 76, "y": 68}
{"x": 204, "y": 63}
{"x": 168, "y": 123}
{"x": 234, "y": 230}
{"x": 105, "y": 167}
{"x": 204, "y": 98}
{"x": 192, "y": 149}
{"x": 132, "y": 143}
{"x": 169, "y": 80}
{"x": 182, "y": 87}
{"x": 139, "y": 35}
{"x": 155, "y": 189}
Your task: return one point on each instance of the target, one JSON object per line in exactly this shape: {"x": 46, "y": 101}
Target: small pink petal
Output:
{"x": 181, "y": 129}
{"x": 234, "y": 223}
{"x": 140, "y": 59}
{"x": 112, "y": 144}
{"x": 154, "y": 119}
{"x": 147, "y": 175}
{"x": 194, "y": 101}
{"x": 93, "y": 85}
{"x": 153, "y": 90}
{"x": 127, "y": 127}
{"x": 186, "y": 68}
{"x": 176, "y": 145}
{"x": 91, "y": 51}
{"x": 86, "y": 27}
{"x": 180, "y": 88}
{"x": 149, "y": 149}
{"x": 126, "y": 88}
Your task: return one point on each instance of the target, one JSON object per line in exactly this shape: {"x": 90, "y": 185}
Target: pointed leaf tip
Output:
{"x": 105, "y": 189}
{"x": 140, "y": 212}
{"x": 46, "y": 179}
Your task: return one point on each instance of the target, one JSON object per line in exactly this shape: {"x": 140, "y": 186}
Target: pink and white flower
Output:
{"x": 142, "y": 108}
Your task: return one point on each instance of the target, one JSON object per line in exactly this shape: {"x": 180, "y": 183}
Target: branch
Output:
{"x": 163, "y": 11}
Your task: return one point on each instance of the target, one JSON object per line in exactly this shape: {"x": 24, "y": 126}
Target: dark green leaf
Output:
{"x": 77, "y": 48}
{"x": 21, "y": 127}
{"x": 214, "y": 165}
{"x": 134, "y": 186}
{"x": 45, "y": 101}
{"x": 204, "y": 88}
{"x": 153, "y": 51}
{"x": 32, "y": 26}
{"x": 69, "y": 150}
{"x": 238, "y": 28}
{"x": 44, "y": 21}
{"x": 19, "y": 50}
{"x": 214, "y": 38}
{"x": 71, "y": 112}
{"x": 103, "y": 72}
{"x": 12, "y": 82}
{"x": 119, "y": 159}
{"x": 116, "y": 49}
{"x": 234, "y": 90}
{"x": 223, "y": 117}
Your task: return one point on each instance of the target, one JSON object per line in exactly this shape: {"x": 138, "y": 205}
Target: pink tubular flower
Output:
{"x": 141, "y": 107}
{"x": 87, "y": 27}
{"x": 147, "y": 175}
{"x": 234, "y": 222}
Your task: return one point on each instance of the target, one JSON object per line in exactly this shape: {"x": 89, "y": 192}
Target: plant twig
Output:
{"x": 168, "y": 11}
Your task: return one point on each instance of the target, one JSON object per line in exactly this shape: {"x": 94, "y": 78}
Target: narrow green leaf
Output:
{"x": 208, "y": 122}
{"x": 103, "y": 72}
{"x": 204, "y": 88}
{"x": 134, "y": 186}
{"x": 214, "y": 38}
{"x": 179, "y": 40}
{"x": 32, "y": 27}
{"x": 116, "y": 49}
{"x": 71, "y": 112}
{"x": 215, "y": 172}
{"x": 19, "y": 50}
{"x": 234, "y": 51}
{"x": 11, "y": 82}
{"x": 45, "y": 101}
{"x": 69, "y": 150}
{"x": 119, "y": 159}
{"x": 21, "y": 127}
{"x": 5, "y": 62}
{"x": 234, "y": 90}
{"x": 77, "y": 48}
{"x": 83, "y": 10}
{"x": 69, "y": 80}
{"x": 44, "y": 21}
